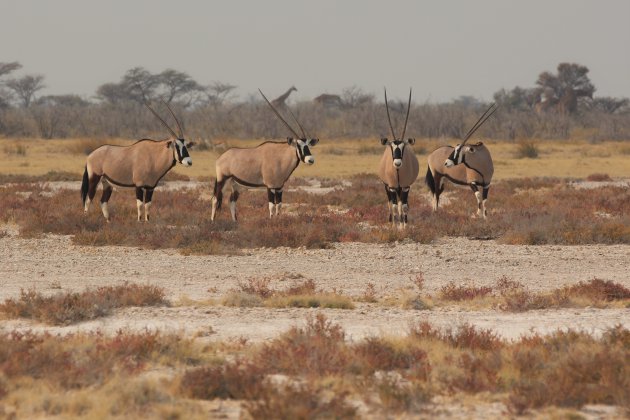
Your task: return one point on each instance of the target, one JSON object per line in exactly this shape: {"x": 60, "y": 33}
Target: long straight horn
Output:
{"x": 279, "y": 116}
{"x": 480, "y": 121}
{"x": 170, "y": 130}
{"x": 179, "y": 126}
{"x": 298, "y": 123}
{"x": 407, "y": 117}
{"x": 391, "y": 127}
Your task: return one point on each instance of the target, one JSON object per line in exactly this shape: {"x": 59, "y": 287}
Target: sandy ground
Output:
{"x": 54, "y": 264}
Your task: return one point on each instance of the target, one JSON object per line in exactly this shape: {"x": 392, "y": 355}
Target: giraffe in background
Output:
{"x": 280, "y": 100}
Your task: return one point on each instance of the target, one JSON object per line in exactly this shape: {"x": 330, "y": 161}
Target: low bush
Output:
{"x": 67, "y": 308}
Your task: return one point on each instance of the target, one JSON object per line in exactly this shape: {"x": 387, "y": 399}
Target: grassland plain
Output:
{"x": 225, "y": 309}
{"x": 340, "y": 158}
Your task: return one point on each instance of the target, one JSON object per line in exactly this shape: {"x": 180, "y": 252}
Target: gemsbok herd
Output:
{"x": 270, "y": 164}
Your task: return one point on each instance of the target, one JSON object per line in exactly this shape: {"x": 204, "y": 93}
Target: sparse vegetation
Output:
{"x": 67, "y": 308}
{"x": 313, "y": 371}
{"x": 527, "y": 149}
{"x": 256, "y": 291}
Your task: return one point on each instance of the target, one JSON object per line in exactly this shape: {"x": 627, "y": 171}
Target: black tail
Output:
{"x": 430, "y": 181}
{"x": 218, "y": 193}
{"x": 85, "y": 185}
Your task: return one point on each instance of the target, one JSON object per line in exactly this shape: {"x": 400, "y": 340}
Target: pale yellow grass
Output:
{"x": 341, "y": 158}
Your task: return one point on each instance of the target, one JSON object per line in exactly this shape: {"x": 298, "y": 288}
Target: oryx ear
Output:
{"x": 169, "y": 144}
{"x": 289, "y": 140}
{"x": 190, "y": 144}
{"x": 384, "y": 141}
{"x": 313, "y": 142}
{"x": 411, "y": 141}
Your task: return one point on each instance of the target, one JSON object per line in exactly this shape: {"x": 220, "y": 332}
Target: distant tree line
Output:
{"x": 558, "y": 104}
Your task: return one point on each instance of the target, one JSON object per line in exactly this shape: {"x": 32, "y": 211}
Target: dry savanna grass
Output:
{"x": 311, "y": 371}
{"x": 70, "y": 307}
{"x": 340, "y": 158}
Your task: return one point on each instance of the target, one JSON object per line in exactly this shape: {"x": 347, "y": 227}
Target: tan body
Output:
{"x": 141, "y": 164}
{"x": 398, "y": 169}
{"x": 476, "y": 171}
{"x": 268, "y": 165}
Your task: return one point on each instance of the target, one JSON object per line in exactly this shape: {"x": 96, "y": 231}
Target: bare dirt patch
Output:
{"x": 53, "y": 263}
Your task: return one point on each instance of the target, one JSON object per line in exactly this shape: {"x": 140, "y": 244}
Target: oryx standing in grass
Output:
{"x": 463, "y": 165}
{"x": 268, "y": 165}
{"x": 398, "y": 169}
{"x": 140, "y": 166}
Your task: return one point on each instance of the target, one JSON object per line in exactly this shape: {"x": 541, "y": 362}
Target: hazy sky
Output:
{"x": 442, "y": 48}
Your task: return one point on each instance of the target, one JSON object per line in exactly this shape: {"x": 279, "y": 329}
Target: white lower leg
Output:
{"x": 146, "y": 211}
{"x": 479, "y": 203}
{"x": 139, "y": 205}
{"x": 233, "y": 210}
{"x": 278, "y": 206}
{"x": 271, "y": 207}
{"x": 87, "y": 204}
{"x": 483, "y": 207}
{"x": 400, "y": 213}
{"x": 105, "y": 210}
{"x": 214, "y": 202}
{"x": 394, "y": 213}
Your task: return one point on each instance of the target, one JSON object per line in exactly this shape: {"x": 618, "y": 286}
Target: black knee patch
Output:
{"x": 139, "y": 194}
{"x": 107, "y": 193}
{"x": 392, "y": 194}
{"x": 234, "y": 196}
{"x": 485, "y": 193}
{"x": 404, "y": 196}
{"x": 148, "y": 195}
{"x": 474, "y": 187}
{"x": 278, "y": 196}
{"x": 271, "y": 196}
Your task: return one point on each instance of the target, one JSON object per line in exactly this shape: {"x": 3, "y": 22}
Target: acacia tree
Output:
{"x": 567, "y": 86}
{"x": 5, "y": 95}
{"x": 25, "y": 87}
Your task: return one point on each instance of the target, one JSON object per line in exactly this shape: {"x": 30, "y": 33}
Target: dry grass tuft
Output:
{"x": 68, "y": 308}
{"x": 452, "y": 292}
{"x": 599, "y": 177}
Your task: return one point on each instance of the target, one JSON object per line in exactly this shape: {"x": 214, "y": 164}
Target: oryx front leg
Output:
{"x": 404, "y": 205}
{"x": 483, "y": 203}
{"x": 139, "y": 202}
{"x": 278, "y": 199}
{"x": 148, "y": 196}
{"x": 479, "y": 197}
{"x": 394, "y": 214}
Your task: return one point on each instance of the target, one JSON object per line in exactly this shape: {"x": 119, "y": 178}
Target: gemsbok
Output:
{"x": 463, "y": 165}
{"x": 398, "y": 169}
{"x": 140, "y": 166}
{"x": 267, "y": 165}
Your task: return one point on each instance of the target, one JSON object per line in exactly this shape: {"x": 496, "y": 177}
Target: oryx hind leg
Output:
{"x": 217, "y": 197}
{"x": 393, "y": 203}
{"x": 139, "y": 201}
{"x": 233, "y": 198}
{"x": 107, "y": 193}
{"x": 93, "y": 181}
{"x": 439, "y": 188}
